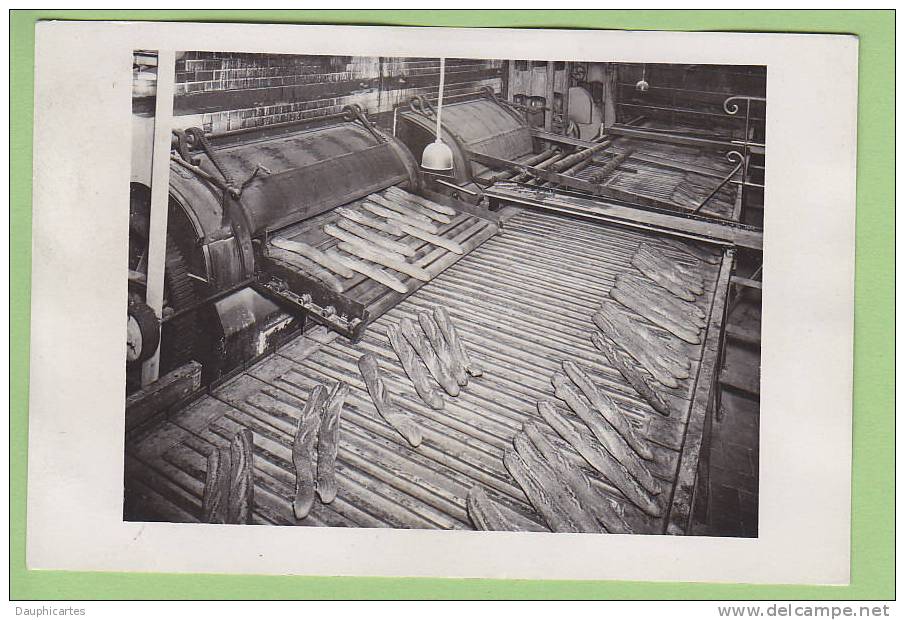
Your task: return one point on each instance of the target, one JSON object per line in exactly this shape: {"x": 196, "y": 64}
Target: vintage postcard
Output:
{"x": 419, "y": 301}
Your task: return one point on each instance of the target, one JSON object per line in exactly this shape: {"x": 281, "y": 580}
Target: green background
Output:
{"x": 873, "y": 533}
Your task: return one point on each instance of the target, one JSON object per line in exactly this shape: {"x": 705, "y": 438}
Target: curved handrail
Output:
{"x": 732, "y": 109}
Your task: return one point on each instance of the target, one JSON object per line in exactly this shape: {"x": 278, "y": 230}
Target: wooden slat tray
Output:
{"x": 359, "y": 296}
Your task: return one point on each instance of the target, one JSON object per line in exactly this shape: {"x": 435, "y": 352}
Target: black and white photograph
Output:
{"x": 445, "y": 293}
{"x": 448, "y": 303}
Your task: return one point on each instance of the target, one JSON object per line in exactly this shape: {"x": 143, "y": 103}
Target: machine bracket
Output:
{"x": 279, "y": 290}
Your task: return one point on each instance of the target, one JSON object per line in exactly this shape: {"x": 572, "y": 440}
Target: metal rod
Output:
{"x": 730, "y": 156}
{"x": 681, "y": 111}
{"x": 160, "y": 194}
{"x": 456, "y": 187}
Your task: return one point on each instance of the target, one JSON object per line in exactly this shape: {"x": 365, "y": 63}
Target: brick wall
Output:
{"x": 225, "y": 91}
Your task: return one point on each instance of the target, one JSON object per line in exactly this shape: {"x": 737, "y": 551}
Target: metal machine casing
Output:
{"x": 480, "y": 125}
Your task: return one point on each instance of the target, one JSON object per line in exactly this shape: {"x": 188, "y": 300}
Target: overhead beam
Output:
{"x": 680, "y": 224}
{"x": 669, "y": 138}
{"x": 561, "y": 139}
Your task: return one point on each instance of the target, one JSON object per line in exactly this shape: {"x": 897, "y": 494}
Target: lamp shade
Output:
{"x": 437, "y": 157}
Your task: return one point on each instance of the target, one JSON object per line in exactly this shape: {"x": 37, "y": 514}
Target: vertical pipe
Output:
{"x": 160, "y": 182}
{"x": 551, "y": 79}
{"x": 565, "y": 98}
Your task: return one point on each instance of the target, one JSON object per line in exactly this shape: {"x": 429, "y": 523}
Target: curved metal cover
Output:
{"x": 313, "y": 171}
{"x": 486, "y": 127}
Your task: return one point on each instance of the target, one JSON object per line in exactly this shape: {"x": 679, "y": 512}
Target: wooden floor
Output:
{"x": 522, "y": 300}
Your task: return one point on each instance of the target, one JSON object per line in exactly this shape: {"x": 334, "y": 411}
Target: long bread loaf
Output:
{"x": 621, "y": 361}
{"x": 328, "y": 442}
{"x": 421, "y": 223}
{"x": 638, "y": 349}
{"x": 390, "y": 228}
{"x": 692, "y": 282}
{"x": 383, "y": 401}
{"x": 664, "y": 345}
{"x": 611, "y": 440}
{"x": 375, "y": 238}
{"x": 429, "y": 204}
{"x": 654, "y": 315}
{"x": 313, "y": 254}
{"x": 682, "y": 312}
{"x": 484, "y": 513}
{"x": 671, "y": 307}
{"x": 564, "y": 497}
{"x": 608, "y": 409}
{"x": 603, "y": 508}
{"x": 448, "y": 329}
{"x": 442, "y": 348}
{"x": 437, "y": 368}
{"x": 415, "y": 370}
{"x": 538, "y": 495}
{"x": 242, "y": 478}
{"x": 598, "y": 458}
{"x": 396, "y": 263}
{"x": 663, "y": 279}
{"x": 303, "y": 454}
{"x": 216, "y": 487}
{"x": 369, "y": 270}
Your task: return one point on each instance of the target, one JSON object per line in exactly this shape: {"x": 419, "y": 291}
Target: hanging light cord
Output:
{"x": 440, "y": 97}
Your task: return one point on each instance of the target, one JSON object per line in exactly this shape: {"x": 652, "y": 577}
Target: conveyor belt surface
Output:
{"x": 523, "y": 302}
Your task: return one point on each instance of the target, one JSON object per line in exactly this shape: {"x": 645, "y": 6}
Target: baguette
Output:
{"x": 455, "y": 342}
{"x": 667, "y": 347}
{"x": 538, "y": 495}
{"x": 394, "y": 262}
{"x": 375, "y": 238}
{"x": 661, "y": 278}
{"x": 442, "y": 348}
{"x": 216, "y": 487}
{"x": 598, "y": 458}
{"x": 603, "y": 508}
{"x": 660, "y": 369}
{"x": 328, "y": 442}
{"x": 611, "y": 440}
{"x": 417, "y": 213}
{"x": 421, "y": 223}
{"x": 428, "y": 204}
{"x": 424, "y": 235}
{"x": 376, "y": 274}
{"x": 242, "y": 478}
{"x": 690, "y": 249}
{"x": 303, "y": 454}
{"x": 484, "y": 513}
{"x": 415, "y": 370}
{"x": 437, "y": 368}
{"x": 383, "y": 401}
{"x": 608, "y": 409}
{"x": 344, "y": 236}
{"x": 364, "y": 219}
{"x": 313, "y": 254}
{"x": 693, "y": 282}
{"x": 687, "y": 270}
{"x": 563, "y": 496}
{"x": 676, "y": 309}
{"x": 654, "y": 315}
{"x": 621, "y": 361}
